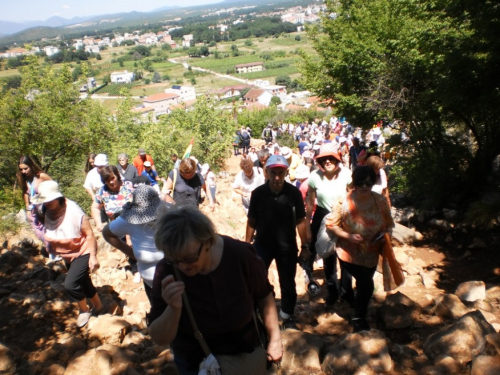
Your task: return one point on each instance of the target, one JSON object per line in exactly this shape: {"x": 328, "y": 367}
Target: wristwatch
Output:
{"x": 305, "y": 247}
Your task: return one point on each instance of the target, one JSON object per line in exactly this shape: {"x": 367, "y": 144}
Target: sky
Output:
{"x": 40, "y": 10}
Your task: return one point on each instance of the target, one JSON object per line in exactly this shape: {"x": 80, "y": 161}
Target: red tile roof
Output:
{"x": 254, "y": 94}
{"x": 159, "y": 97}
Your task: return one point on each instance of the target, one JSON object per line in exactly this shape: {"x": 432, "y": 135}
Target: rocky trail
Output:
{"x": 444, "y": 320}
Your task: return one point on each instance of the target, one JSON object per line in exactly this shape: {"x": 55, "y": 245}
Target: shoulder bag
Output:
{"x": 253, "y": 363}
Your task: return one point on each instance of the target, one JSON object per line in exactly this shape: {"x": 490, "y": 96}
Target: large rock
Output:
{"x": 366, "y": 351}
{"x": 471, "y": 291}
{"x": 405, "y": 235}
{"x": 450, "y": 306}
{"x": 108, "y": 329}
{"x": 442, "y": 225}
{"x": 402, "y": 215}
{"x": 463, "y": 340}
{"x": 7, "y": 363}
{"x": 301, "y": 350}
{"x": 398, "y": 311}
{"x": 485, "y": 365}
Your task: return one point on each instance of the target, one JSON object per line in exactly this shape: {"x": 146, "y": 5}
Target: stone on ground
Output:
{"x": 463, "y": 340}
{"x": 398, "y": 311}
{"x": 359, "y": 352}
{"x": 471, "y": 291}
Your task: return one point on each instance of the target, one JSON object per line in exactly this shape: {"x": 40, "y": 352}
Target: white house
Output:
{"x": 92, "y": 49}
{"x": 258, "y": 96}
{"x": 276, "y": 90}
{"x": 230, "y": 91}
{"x": 250, "y": 67}
{"x": 161, "y": 102}
{"x": 122, "y": 77}
{"x": 51, "y": 50}
{"x": 185, "y": 93}
{"x": 186, "y": 40}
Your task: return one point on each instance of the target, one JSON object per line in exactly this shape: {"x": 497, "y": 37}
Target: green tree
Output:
{"x": 46, "y": 118}
{"x": 431, "y": 65}
{"x": 156, "y": 77}
{"x": 210, "y": 126}
{"x": 204, "y": 51}
{"x": 284, "y": 81}
{"x": 275, "y": 100}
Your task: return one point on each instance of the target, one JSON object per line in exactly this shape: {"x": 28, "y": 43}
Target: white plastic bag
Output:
{"x": 326, "y": 241}
{"x": 209, "y": 366}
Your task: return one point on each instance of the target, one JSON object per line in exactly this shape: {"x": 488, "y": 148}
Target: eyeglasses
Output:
{"x": 367, "y": 183}
{"x": 186, "y": 261}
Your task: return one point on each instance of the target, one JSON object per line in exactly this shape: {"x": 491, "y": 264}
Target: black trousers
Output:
{"x": 364, "y": 286}
{"x": 330, "y": 263}
{"x": 286, "y": 263}
{"x": 78, "y": 283}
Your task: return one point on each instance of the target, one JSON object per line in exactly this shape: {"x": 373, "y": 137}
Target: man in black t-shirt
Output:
{"x": 276, "y": 209}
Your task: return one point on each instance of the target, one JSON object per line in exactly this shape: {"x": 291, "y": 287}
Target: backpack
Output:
{"x": 245, "y": 136}
{"x": 267, "y": 133}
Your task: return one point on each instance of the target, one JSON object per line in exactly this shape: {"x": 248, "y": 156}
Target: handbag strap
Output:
{"x": 197, "y": 332}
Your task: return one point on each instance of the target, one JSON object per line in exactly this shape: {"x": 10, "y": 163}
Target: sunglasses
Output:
{"x": 331, "y": 159}
{"x": 187, "y": 260}
{"x": 367, "y": 183}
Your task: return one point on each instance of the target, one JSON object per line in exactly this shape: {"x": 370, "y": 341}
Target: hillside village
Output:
{"x": 92, "y": 44}
{"x": 245, "y": 93}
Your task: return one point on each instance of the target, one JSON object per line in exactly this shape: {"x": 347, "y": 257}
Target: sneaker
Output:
{"x": 289, "y": 324}
{"x": 359, "y": 324}
{"x": 83, "y": 318}
{"x": 137, "y": 278}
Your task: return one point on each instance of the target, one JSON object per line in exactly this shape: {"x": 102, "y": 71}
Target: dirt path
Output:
{"x": 38, "y": 323}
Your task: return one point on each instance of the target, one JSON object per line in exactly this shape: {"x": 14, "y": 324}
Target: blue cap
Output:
{"x": 276, "y": 161}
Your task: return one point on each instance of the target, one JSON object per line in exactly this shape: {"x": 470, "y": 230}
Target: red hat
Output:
{"x": 328, "y": 149}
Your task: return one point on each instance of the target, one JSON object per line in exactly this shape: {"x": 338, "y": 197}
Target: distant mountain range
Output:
{"x": 8, "y": 28}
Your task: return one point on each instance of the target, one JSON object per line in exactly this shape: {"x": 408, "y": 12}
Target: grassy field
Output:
{"x": 279, "y": 55}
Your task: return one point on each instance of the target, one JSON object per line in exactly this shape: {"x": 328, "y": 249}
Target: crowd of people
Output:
{"x": 204, "y": 284}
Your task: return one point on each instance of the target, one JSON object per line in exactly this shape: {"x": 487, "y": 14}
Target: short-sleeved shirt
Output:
{"x": 368, "y": 223}
{"x": 222, "y": 302}
{"x": 329, "y": 191}
{"x": 93, "y": 180}
{"x": 113, "y": 202}
{"x": 151, "y": 174}
{"x": 302, "y": 144}
{"x": 143, "y": 244}
{"x": 247, "y": 185}
{"x": 187, "y": 192}
{"x": 139, "y": 163}
{"x": 276, "y": 217}
{"x": 129, "y": 173}
{"x": 67, "y": 239}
